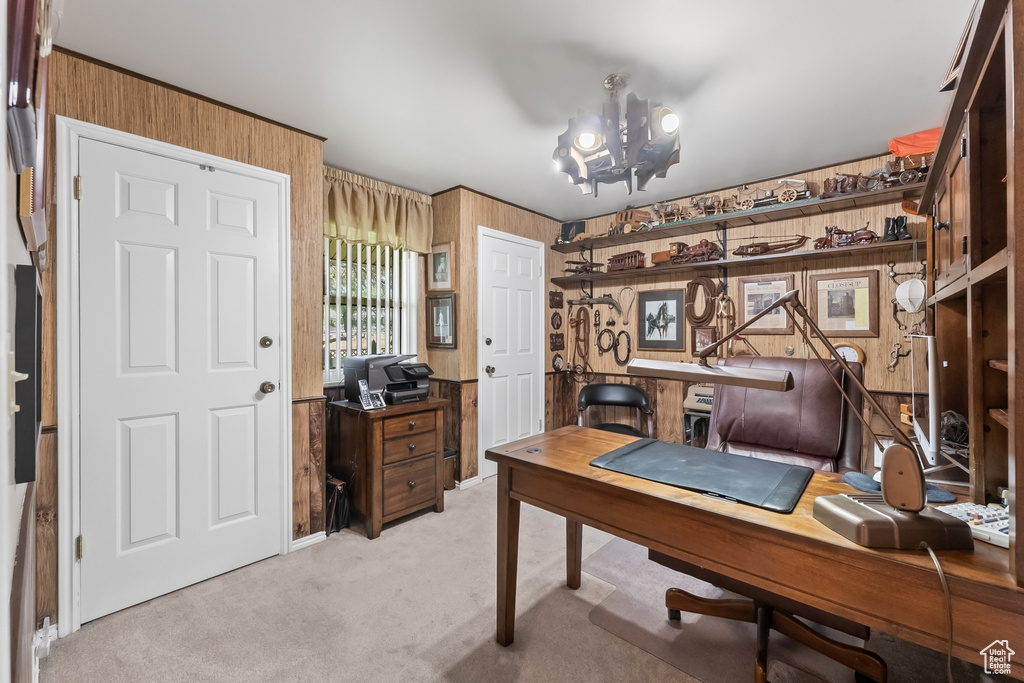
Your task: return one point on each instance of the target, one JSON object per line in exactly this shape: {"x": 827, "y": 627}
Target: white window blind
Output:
{"x": 369, "y": 303}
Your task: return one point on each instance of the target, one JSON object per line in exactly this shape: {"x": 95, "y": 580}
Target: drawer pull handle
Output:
{"x": 412, "y": 447}
{"x": 412, "y": 424}
{"x": 412, "y": 484}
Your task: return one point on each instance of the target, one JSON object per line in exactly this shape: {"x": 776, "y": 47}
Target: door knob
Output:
{"x": 266, "y": 342}
{"x": 489, "y": 369}
{"x": 268, "y": 387}
{"x": 941, "y": 225}
{"x": 487, "y": 341}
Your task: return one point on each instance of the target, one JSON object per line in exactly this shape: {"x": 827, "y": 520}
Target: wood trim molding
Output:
{"x": 496, "y": 199}
{"x": 183, "y": 91}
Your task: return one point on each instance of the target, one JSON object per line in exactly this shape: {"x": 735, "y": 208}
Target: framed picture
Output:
{"x": 441, "y": 321}
{"x": 660, "y": 323}
{"x": 757, "y": 293}
{"x": 845, "y": 304}
{"x": 441, "y": 265}
{"x": 701, "y": 337}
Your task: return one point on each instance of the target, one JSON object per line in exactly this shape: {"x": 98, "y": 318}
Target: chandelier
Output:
{"x": 603, "y": 149}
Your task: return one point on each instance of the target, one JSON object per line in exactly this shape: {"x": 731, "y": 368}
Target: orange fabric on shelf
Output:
{"x": 923, "y": 142}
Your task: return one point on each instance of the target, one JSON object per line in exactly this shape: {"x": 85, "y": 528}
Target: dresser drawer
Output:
{"x": 409, "y": 484}
{"x": 408, "y": 424}
{"x": 406, "y": 447}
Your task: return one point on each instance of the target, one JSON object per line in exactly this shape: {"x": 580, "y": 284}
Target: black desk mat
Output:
{"x": 765, "y": 484}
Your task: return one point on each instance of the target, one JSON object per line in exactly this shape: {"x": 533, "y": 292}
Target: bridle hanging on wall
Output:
{"x": 712, "y": 290}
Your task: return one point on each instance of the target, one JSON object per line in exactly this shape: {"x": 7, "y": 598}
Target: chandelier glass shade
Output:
{"x": 605, "y": 149}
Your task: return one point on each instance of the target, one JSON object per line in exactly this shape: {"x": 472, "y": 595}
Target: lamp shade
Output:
{"x": 910, "y": 295}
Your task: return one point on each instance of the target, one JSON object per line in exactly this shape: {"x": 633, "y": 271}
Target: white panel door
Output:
{"x": 180, "y": 450}
{"x": 510, "y": 349}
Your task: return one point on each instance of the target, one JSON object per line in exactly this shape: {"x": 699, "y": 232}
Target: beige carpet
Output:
{"x": 722, "y": 651}
{"x": 712, "y": 650}
{"x": 416, "y": 604}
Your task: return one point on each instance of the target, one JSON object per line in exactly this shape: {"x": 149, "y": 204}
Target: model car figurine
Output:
{"x": 765, "y": 194}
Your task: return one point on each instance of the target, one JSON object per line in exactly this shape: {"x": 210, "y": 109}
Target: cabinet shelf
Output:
{"x": 1000, "y": 415}
{"x": 734, "y": 219}
{"x": 990, "y": 269}
{"x": 1001, "y": 365}
{"x": 738, "y": 262}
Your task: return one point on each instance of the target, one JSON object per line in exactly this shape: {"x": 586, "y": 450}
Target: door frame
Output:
{"x": 482, "y": 231}
{"x": 68, "y": 133}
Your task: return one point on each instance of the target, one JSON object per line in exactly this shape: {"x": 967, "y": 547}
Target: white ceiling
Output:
{"x": 433, "y": 94}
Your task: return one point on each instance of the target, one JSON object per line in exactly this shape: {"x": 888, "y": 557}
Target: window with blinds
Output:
{"x": 369, "y": 303}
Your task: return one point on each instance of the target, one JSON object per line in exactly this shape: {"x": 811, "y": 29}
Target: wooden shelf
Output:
{"x": 1000, "y": 415}
{"x": 1002, "y": 365}
{"x": 733, "y": 219}
{"x": 736, "y": 262}
{"x": 992, "y": 268}
{"x": 956, "y": 289}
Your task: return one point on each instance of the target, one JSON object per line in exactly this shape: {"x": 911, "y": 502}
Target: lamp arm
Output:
{"x": 788, "y": 297}
{"x": 795, "y": 308}
{"x": 897, "y": 433}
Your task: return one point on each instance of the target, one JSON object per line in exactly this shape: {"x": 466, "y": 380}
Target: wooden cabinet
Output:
{"x": 978, "y": 220}
{"x": 391, "y": 459}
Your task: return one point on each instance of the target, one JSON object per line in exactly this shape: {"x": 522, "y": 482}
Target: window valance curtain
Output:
{"x": 364, "y": 211}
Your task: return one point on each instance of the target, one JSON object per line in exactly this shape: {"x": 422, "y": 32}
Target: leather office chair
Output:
{"x": 810, "y": 425}
{"x": 623, "y": 395}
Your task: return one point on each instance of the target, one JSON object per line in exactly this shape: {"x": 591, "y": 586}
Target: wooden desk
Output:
{"x": 896, "y": 591}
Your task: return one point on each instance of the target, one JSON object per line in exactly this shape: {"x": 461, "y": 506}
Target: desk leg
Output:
{"x": 573, "y": 553}
{"x": 508, "y": 556}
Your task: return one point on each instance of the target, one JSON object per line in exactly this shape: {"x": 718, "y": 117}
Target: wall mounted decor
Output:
{"x": 441, "y": 321}
{"x": 756, "y": 293}
{"x": 845, "y": 304}
{"x": 660, "y": 320}
{"x": 442, "y": 266}
{"x": 556, "y": 341}
{"x": 555, "y": 299}
{"x": 556, "y": 320}
{"x": 701, "y": 337}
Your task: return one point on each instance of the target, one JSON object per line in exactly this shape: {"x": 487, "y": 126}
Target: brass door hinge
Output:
{"x": 78, "y": 187}
{"x": 78, "y": 548}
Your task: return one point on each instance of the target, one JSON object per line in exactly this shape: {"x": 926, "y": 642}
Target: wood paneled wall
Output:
{"x": 86, "y": 90}
{"x": 95, "y": 93}
{"x": 877, "y": 350}
{"x": 460, "y": 423}
{"x": 457, "y": 213}
{"x": 309, "y": 473}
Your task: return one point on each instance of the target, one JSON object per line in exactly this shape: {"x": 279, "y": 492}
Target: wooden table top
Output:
{"x": 794, "y": 555}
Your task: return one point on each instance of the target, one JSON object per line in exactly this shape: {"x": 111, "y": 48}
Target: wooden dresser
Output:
{"x": 391, "y": 459}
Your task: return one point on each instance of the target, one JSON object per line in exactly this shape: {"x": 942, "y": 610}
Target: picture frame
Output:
{"x": 441, "y": 321}
{"x": 757, "y": 292}
{"x": 845, "y": 304}
{"x": 660, "y": 320}
{"x": 701, "y": 337}
{"x": 441, "y": 270}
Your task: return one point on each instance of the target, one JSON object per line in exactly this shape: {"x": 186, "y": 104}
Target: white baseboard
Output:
{"x": 468, "y": 483}
{"x": 307, "y": 541}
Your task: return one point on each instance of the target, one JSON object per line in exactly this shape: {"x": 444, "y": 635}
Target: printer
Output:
{"x": 398, "y": 381}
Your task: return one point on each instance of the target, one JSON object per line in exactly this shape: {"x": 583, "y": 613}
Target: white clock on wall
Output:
{"x": 850, "y": 352}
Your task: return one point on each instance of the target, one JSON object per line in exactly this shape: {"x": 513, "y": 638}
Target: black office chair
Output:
{"x": 623, "y": 395}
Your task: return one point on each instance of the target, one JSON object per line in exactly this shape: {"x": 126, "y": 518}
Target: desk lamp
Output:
{"x": 896, "y": 519}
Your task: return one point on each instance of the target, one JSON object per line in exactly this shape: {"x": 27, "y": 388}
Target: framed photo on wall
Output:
{"x": 660, "y": 320}
{"x": 701, "y": 337}
{"x": 441, "y": 321}
{"x": 845, "y": 304}
{"x": 757, "y": 293}
{"x": 439, "y": 275}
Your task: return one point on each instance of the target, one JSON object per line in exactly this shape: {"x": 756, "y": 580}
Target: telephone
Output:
{"x": 370, "y": 401}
